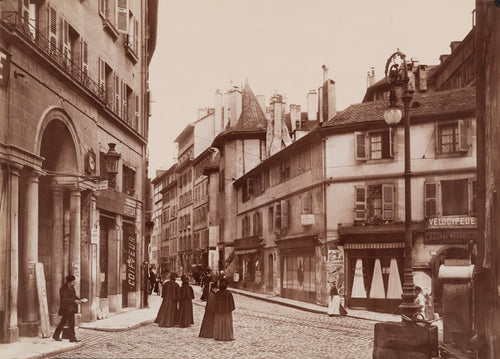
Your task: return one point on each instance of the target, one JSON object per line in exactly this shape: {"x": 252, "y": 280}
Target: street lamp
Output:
{"x": 396, "y": 74}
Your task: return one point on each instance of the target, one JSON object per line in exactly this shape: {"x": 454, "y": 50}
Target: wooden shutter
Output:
{"x": 25, "y": 13}
{"x": 360, "y": 146}
{"x": 277, "y": 215}
{"x": 117, "y": 95}
{"x": 85, "y": 59}
{"x": 463, "y": 138}
{"x": 388, "y": 202}
{"x": 285, "y": 214}
{"x": 122, "y": 16}
{"x": 66, "y": 46}
{"x": 359, "y": 203}
{"x": 52, "y": 29}
{"x": 103, "y": 8}
{"x": 307, "y": 203}
{"x": 102, "y": 76}
{"x": 431, "y": 196}
{"x": 259, "y": 225}
{"x": 136, "y": 36}
{"x": 125, "y": 103}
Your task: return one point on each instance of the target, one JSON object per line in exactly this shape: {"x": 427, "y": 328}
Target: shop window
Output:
{"x": 374, "y": 145}
{"x": 453, "y": 137}
{"x": 375, "y": 203}
{"x": 299, "y": 272}
{"x": 456, "y": 197}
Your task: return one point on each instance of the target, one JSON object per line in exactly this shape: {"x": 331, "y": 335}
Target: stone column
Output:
{"x": 74, "y": 236}
{"x": 56, "y": 270}
{"x": 12, "y": 333}
{"x": 29, "y": 326}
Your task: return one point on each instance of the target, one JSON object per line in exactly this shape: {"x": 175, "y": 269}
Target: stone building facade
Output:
{"x": 74, "y": 112}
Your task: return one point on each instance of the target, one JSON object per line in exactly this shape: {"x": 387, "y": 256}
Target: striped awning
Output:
{"x": 374, "y": 245}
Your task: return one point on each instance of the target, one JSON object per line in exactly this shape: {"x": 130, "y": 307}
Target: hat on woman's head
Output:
{"x": 184, "y": 278}
{"x": 70, "y": 278}
{"x": 223, "y": 283}
{"x": 172, "y": 276}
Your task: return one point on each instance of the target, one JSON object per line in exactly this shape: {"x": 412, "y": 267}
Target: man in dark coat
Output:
{"x": 68, "y": 306}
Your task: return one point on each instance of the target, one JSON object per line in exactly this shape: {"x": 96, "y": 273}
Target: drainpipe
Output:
{"x": 325, "y": 227}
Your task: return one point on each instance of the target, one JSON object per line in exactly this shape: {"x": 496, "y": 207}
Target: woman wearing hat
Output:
{"x": 223, "y": 317}
{"x": 170, "y": 292}
{"x": 185, "y": 311}
{"x": 207, "y": 324}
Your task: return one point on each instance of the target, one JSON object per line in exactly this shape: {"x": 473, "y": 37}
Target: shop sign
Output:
{"x": 307, "y": 219}
{"x": 452, "y": 222}
{"x": 131, "y": 262}
{"x": 450, "y": 237}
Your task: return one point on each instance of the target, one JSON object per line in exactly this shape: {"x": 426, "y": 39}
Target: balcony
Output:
{"x": 56, "y": 56}
{"x": 129, "y": 49}
{"x": 62, "y": 61}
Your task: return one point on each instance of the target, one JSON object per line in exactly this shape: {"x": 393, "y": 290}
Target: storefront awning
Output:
{"x": 373, "y": 245}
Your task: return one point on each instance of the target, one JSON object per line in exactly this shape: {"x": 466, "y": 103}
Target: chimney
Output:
{"x": 261, "y": 99}
{"x": 370, "y": 77}
{"x": 443, "y": 58}
{"x": 328, "y": 101}
{"x": 293, "y": 116}
{"x": 312, "y": 105}
{"x": 422, "y": 78}
{"x": 234, "y": 108}
{"x": 299, "y": 114}
{"x": 454, "y": 45}
{"x": 219, "y": 117}
{"x": 275, "y": 124}
{"x": 202, "y": 112}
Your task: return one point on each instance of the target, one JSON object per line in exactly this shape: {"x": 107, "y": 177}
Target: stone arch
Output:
{"x": 55, "y": 113}
{"x": 450, "y": 252}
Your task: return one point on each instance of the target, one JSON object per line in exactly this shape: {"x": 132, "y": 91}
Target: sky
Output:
{"x": 280, "y": 46}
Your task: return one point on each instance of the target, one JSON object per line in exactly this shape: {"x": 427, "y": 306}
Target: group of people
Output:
{"x": 177, "y": 308}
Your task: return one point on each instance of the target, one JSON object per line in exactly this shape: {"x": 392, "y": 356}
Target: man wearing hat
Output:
{"x": 68, "y": 306}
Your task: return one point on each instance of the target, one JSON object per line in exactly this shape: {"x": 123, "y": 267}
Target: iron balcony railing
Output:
{"x": 78, "y": 72}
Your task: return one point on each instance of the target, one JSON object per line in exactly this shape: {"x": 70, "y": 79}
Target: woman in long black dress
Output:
{"x": 185, "y": 311}
{"x": 167, "y": 314}
{"x": 223, "y": 317}
{"x": 207, "y": 324}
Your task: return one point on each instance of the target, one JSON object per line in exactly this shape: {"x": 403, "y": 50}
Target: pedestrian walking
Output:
{"x": 206, "y": 287}
{"x": 167, "y": 314}
{"x": 185, "y": 311}
{"x": 67, "y": 308}
{"x": 152, "y": 280}
{"x": 223, "y": 316}
{"x": 333, "y": 300}
{"x": 207, "y": 324}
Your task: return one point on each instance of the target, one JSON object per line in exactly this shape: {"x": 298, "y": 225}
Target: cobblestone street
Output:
{"x": 262, "y": 330}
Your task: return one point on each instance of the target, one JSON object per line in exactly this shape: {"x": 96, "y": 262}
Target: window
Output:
{"x": 282, "y": 214}
{"x": 271, "y": 218}
{"x": 307, "y": 203}
{"x": 374, "y": 203}
{"x": 284, "y": 170}
{"x": 245, "y": 227}
{"x": 374, "y": 145}
{"x": 453, "y": 137}
{"x": 257, "y": 224}
{"x": 454, "y": 197}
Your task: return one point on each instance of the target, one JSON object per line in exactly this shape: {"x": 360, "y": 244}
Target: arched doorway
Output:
{"x": 58, "y": 193}
{"x": 445, "y": 253}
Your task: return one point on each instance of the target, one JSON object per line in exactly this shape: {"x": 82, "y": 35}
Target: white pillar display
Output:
{"x": 74, "y": 236}
{"x": 394, "y": 289}
{"x": 56, "y": 272}
{"x": 358, "y": 285}
{"x": 377, "y": 288}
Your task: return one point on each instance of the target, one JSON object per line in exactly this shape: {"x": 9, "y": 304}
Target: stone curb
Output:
{"x": 122, "y": 328}
{"x": 56, "y": 351}
{"x": 296, "y": 306}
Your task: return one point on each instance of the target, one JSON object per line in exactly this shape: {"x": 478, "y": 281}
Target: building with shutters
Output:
{"x": 74, "y": 112}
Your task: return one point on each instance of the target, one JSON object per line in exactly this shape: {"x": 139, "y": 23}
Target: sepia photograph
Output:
{"x": 250, "y": 179}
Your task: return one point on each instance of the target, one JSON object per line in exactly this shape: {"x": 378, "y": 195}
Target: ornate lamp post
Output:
{"x": 396, "y": 74}
{"x": 112, "y": 160}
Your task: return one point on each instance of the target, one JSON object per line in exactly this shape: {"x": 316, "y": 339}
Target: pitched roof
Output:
{"x": 423, "y": 105}
{"x": 252, "y": 117}
{"x": 306, "y": 125}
